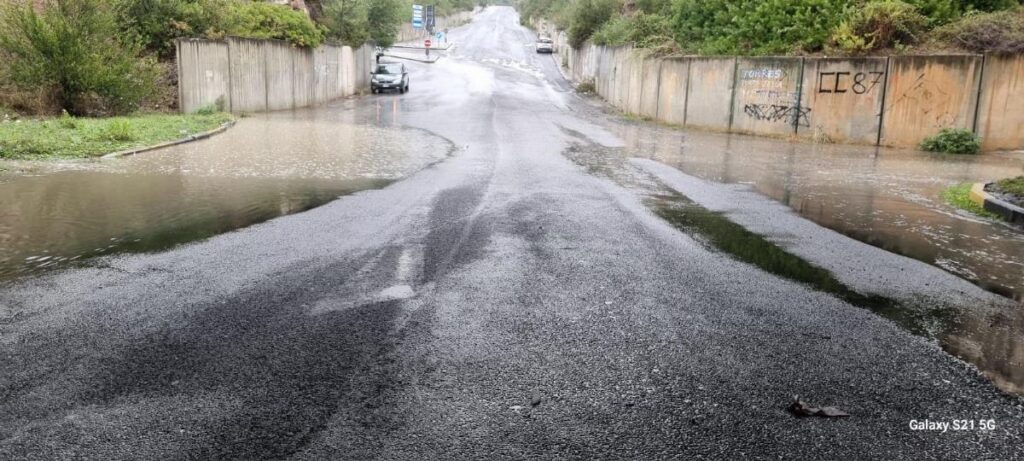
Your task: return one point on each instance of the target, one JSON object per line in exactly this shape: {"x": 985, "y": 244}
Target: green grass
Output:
{"x": 959, "y": 196}
{"x": 66, "y": 137}
{"x": 1013, "y": 186}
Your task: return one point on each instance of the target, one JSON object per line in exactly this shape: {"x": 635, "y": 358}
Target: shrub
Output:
{"x": 67, "y": 122}
{"x": 72, "y": 46}
{"x": 158, "y": 22}
{"x": 756, "y": 26}
{"x": 267, "y": 20}
{"x": 953, "y": 141}
{"x": 879, "y": 25}
{"x": 616, "y": 31}
{"x": 1000, "y": 32}
{"x": 587, "y": 17}
{"x": 642, "y": 30}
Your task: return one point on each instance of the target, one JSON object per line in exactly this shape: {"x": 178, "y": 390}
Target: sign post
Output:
{"x": 426, "y": 46}
{"x": 430, "y": 18}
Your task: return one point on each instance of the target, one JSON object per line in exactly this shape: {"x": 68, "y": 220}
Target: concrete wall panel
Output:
{"x": 672, "y": 90}
{"x": 279, "y": 76}
{"x": 248, "y": 75}
{"x": 709, "y": 96}
{"x": 203, "y": 74}
{"x": 925, "y": 94}
{"x": 650, "y": 77}
{"x": 1001, "y": 112}
{"x": 767, "y": 96}
{"x": 305, "y": 77}
{"x": 844, "y": 99}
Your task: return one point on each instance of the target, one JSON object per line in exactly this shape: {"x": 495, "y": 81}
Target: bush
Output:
{"x": 267, "y": 20}
{"x": 879, "y": 25}
{"x": 999, "y": 33}
{"x": 72, "y": 48}
{"x": 642, "y": 30}
{"x": 756, "y": 26}
{"x": 158, "y": 22}
{"x": 953, "y": 141}
{"x": 587, "y": 17}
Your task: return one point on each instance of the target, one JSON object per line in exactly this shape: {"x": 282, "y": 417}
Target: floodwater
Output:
{"x": 888, "y": 198}
{"x": 56, "y": 213}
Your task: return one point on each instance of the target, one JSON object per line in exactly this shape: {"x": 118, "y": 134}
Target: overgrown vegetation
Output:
{"x": 953, "y": 141}
{"x": 764, "y": 27}
{"x": 1014, "y": 186}
{"x": 1001, "y": 32}
{"x": 69, "y": 136}
{"x": 959, "y": 196}
{"x": 73, "y": 50}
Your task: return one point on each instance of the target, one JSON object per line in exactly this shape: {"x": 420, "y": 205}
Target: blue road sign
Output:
{"x": 417, "y": 16}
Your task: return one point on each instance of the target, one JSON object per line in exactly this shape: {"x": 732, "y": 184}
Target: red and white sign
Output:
{"x": 426, "y": 43}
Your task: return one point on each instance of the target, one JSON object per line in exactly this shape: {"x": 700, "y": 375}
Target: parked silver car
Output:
{"x": 544, "y": 45}
{"x": 389, "y": 76}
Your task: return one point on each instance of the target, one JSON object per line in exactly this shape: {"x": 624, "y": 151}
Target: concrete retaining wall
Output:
{"x": 892, "y": 101}
{"x": 246, "y": 75}
{"x": 846, "y": 97}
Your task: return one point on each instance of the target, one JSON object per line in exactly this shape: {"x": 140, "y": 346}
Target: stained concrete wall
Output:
{"x": 845, "y": 97}
{"x": 766, "y": 96}
{"x": 709, "y": 92}
{"x": 672, "y": 81}
{"x": 248, "y": 75}
{"x": 925, "y": 94}
{"x": 1000, "y": 120}
{"x": 257, "y": 75}
{"x": 893, "y": 101}
{"x": 204, "y": 75}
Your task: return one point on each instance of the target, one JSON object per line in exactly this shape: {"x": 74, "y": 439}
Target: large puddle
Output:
{"x": 55, "y": 213}
{"x": 990, "y": 337}
{"x": 884, "y": 197}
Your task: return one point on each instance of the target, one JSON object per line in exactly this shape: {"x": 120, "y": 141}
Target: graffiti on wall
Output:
{"x": 843, "y": 82}
{"x": 792, "y": 115}
{"x": 928, "y": 99}
{"x": 768, "y": 95}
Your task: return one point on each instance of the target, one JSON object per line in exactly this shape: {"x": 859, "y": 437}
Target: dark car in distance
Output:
{"x": 389, "y": 76}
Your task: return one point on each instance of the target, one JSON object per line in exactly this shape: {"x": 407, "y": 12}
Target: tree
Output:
{"x": 347, "y": 21}
{"x": 384, "y": 19}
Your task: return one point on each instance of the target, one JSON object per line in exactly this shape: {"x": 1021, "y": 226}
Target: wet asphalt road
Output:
{"x": 506, "y": 303}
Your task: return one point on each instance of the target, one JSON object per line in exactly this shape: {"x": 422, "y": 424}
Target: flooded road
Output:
{"x": 884, "y": 197}
{"x": 266, "y": 166}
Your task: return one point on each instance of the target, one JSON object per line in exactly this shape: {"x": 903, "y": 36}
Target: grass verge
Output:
{"x": 1013, "y": 186}
{"x": 69, "y": 137}
{"x": 959, "y": 196}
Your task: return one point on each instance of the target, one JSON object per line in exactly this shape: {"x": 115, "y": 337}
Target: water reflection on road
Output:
{"x": 266, "y": 166}
{"x": 889, "y": 199}
{"x": 885, "y": 197}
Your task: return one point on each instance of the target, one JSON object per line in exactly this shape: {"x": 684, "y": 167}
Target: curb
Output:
{"x": 195, "y": 137}
{"x": 1010, "y": 212}
{"x": 411, "y": 58}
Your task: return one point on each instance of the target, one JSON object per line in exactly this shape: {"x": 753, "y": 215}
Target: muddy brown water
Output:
{"x": 57, "y": 213}
{"x": 889, "y": 198}
{"x": 885, "y": 197}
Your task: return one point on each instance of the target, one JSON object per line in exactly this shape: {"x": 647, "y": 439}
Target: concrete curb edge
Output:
{"x": 196, "y": 137}
{"x": 1010, "y": 212}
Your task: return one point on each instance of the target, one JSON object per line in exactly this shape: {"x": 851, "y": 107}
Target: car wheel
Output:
{"x": 406, "y": 87}
{"x": 401, "y": 90}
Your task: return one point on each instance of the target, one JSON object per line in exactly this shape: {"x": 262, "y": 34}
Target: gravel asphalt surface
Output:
{"x": 506, "y": 303}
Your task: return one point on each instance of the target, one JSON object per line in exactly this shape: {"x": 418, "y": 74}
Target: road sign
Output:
{"x": 439, "y": 35}
{"x": 426, "y": 43}
{"x": 430, "y": 17}
{"x": 417, "y": 16}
